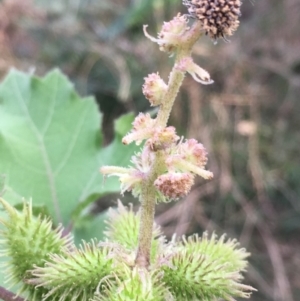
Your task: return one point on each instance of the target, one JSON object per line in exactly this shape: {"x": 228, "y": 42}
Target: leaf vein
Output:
{"x": 42, "y": 148}
{"x": 72, "y": 143}
{"x": 51, "y": 113}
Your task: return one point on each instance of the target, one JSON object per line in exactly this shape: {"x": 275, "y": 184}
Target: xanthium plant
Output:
{"x": 135, "y": 261}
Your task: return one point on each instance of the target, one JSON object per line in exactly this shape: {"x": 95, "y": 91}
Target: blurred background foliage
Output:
{"x": 248, "y": 119}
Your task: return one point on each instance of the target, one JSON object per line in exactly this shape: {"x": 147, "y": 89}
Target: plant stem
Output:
{"x": 177, "y": 76}
{"x": 175, "y": 81}
{"x": 148, "y": 195}
{"x": 148, "y": 198}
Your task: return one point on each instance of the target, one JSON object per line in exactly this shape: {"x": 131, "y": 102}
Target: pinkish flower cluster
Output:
{"x": 162, "y": 138}
{"x": 182, "y": 161}
{"x": 174, "y": 185}
{"x": 169, "y": 38}
{"x": 154, "y": 89}
{"x": 193, "y": 151}
{"x": 144, "y": 128}
{"x": 189, "y": 156}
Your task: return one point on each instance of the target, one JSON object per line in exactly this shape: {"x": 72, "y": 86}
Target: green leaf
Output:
{"x": 123, "y": 125}
{"x": 51, "y": 144}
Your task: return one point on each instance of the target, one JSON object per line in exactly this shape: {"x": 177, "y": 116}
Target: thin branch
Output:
{"x": 6, "y": 295}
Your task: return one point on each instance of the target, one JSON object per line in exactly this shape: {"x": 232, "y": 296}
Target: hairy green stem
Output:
{"x": 148, "y": 198}
{"x": 175, "y": 81}
{"x": 148, "y": 195}
{"x": 177, "y": 76}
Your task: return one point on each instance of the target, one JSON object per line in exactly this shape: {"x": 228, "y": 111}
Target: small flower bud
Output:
{"x": 194, "y": 152}
{"x": 143, "y": 160}
{"x": 189, "y": 156}
{"x": 218, "y": 18}
{"x": 154, "y": 89}
{"x": 143, "y": 121}
{"x": 143, "y": 126}
{"x": 169, "y": 36}
{"x": 199, "y": 74}
{"x": 130, "y": 178}
{"x": 174, "y": 185}
{"x": 163, "y": 138}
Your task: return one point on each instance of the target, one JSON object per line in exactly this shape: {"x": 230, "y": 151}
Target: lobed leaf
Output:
{"x": 51, "y": 145}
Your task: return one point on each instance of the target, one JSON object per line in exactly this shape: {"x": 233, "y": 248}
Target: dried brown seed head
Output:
{"x": 219, "y": 18}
